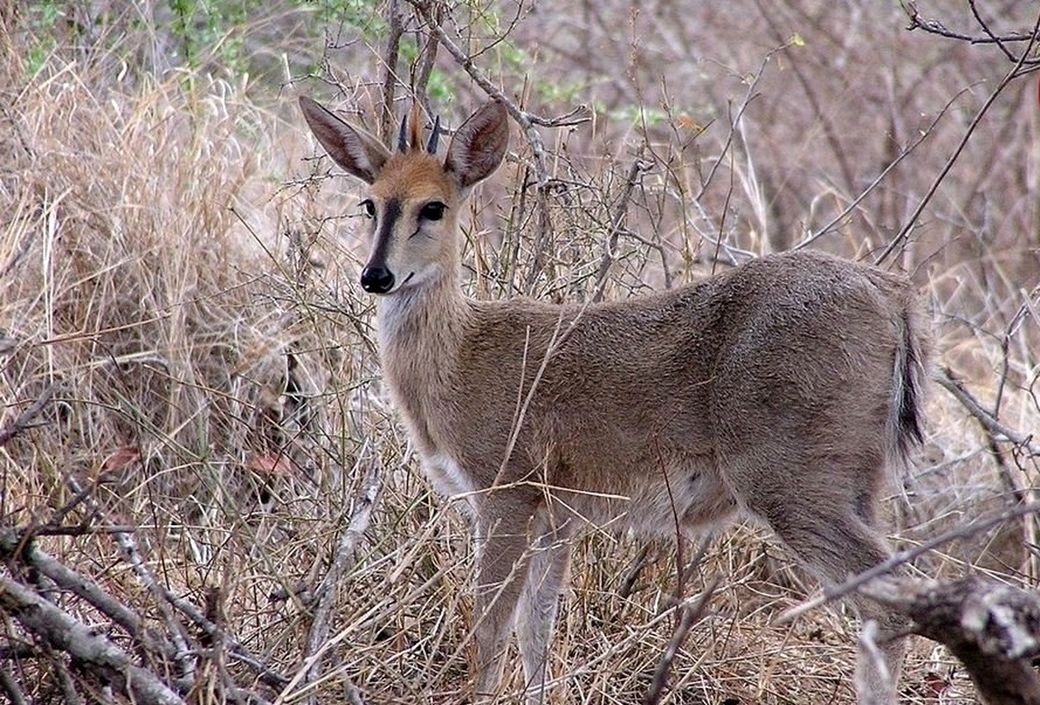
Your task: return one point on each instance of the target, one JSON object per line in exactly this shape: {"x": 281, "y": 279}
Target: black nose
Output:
{"x": 377, "y": 280}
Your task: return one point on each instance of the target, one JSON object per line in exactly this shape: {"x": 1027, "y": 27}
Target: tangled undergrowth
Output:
{"x": 177, "y": 270}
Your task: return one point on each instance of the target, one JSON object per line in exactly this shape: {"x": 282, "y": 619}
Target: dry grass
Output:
{"x": 185, "y": 278}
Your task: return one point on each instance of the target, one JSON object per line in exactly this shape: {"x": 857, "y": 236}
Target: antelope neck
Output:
{"x": 420, "y": 331}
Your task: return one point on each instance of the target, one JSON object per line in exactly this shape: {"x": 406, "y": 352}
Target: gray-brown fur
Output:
{"x": 782, "y": 389}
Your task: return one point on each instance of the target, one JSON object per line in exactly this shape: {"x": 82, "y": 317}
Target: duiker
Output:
{"x": 780, "y": 389}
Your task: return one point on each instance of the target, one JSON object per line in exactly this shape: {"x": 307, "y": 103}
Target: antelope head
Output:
{"x": 414, "y": 197}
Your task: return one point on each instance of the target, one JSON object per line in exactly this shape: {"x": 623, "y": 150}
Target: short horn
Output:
{"x": 402, "y": 136}
{"x": 431, "y": 146}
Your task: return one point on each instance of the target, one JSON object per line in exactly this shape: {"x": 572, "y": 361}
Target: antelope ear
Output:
{"x": 479, "y": 145}
{"x": 354, "y": 149}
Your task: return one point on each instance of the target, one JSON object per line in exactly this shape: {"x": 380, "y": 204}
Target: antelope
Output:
{"x": 781, "y": 390}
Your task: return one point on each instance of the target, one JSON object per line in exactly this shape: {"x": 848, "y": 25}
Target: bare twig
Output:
{"x": 267, "y": 675}
{"x": 616, "y": 223}
{"x": 127, "y": 542}
{"x": 395, "y": 21}
{"x": 911, "y": 222}
{"x": 24, "y": 420}
{"x": 994, "y": 427}
{"x": 938, "y": 28}
{"x": 10, "y": 688}
{"x": 635, "y": 568}
{"x": 871, "y": 658}
{"x": 69, "y": 694}
{"x": 13, "y": 547}
{"x": 690, "y": 615}
{"x": 749, "y": 97}
{"x": 840, "y": 218}
{"x": 527, "y": 122}
{"x": 427, "y": 60}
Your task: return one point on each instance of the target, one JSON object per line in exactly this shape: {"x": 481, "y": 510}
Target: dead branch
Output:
{"x": 24, "y": 420}
{"x": 616, "y": 222}
{"x": 267, "y": 675}
{"x": 994, "y": 629}
{"x": 395, "y": 21}
{"x": 905, "y": 152}
{"x": 871, "y": 657}
{"x": 342, "y": 560}
{"x": 933, "y": 26}
{"x": 11, "y": 689}
{"x": 527, "y": 122}
{"x": 127, "y": 543}
{"x": 423, "y": 67}
{"x": 165, "y": 598}
{"x": 60, "y": 630}
{"x": 13, "y": 546}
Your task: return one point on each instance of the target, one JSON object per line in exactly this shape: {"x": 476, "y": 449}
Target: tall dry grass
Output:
{"x": 178, "y": 266}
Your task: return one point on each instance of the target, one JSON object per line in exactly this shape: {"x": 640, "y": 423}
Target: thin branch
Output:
{"x": 911, "y": 222}
{"x": 427, "y": 60}
{"x": 364, "y": 503}
{"x": 838, "y": 219}
{"x": 527, "y": 122}
{"x": 938, "y": 28}
{"x": 390, "y": 58}
{"x": 24, "y": 420}
{"x": 690, "y": 615}
{"x": 899, "y": 558}
{"x": 985, "y": 28}
{"x": 947, "y": 381}
{"x": 616, "y": 222}
{"x": 11, "y": 689}
{"x": 127, "y": 542}
{"x": 13, "y": 547}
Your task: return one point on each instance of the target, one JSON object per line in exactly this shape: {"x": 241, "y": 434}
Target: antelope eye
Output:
{"x": 434, "y": 210}
{"x": 369, "y": 207}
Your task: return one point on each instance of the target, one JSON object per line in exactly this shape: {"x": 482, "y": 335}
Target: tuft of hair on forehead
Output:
{"x": 416, "y": 129}
{"x": 410, "y": 134}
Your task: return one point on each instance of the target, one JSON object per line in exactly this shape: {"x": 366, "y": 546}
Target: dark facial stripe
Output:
{"x": 391, "y": 214}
